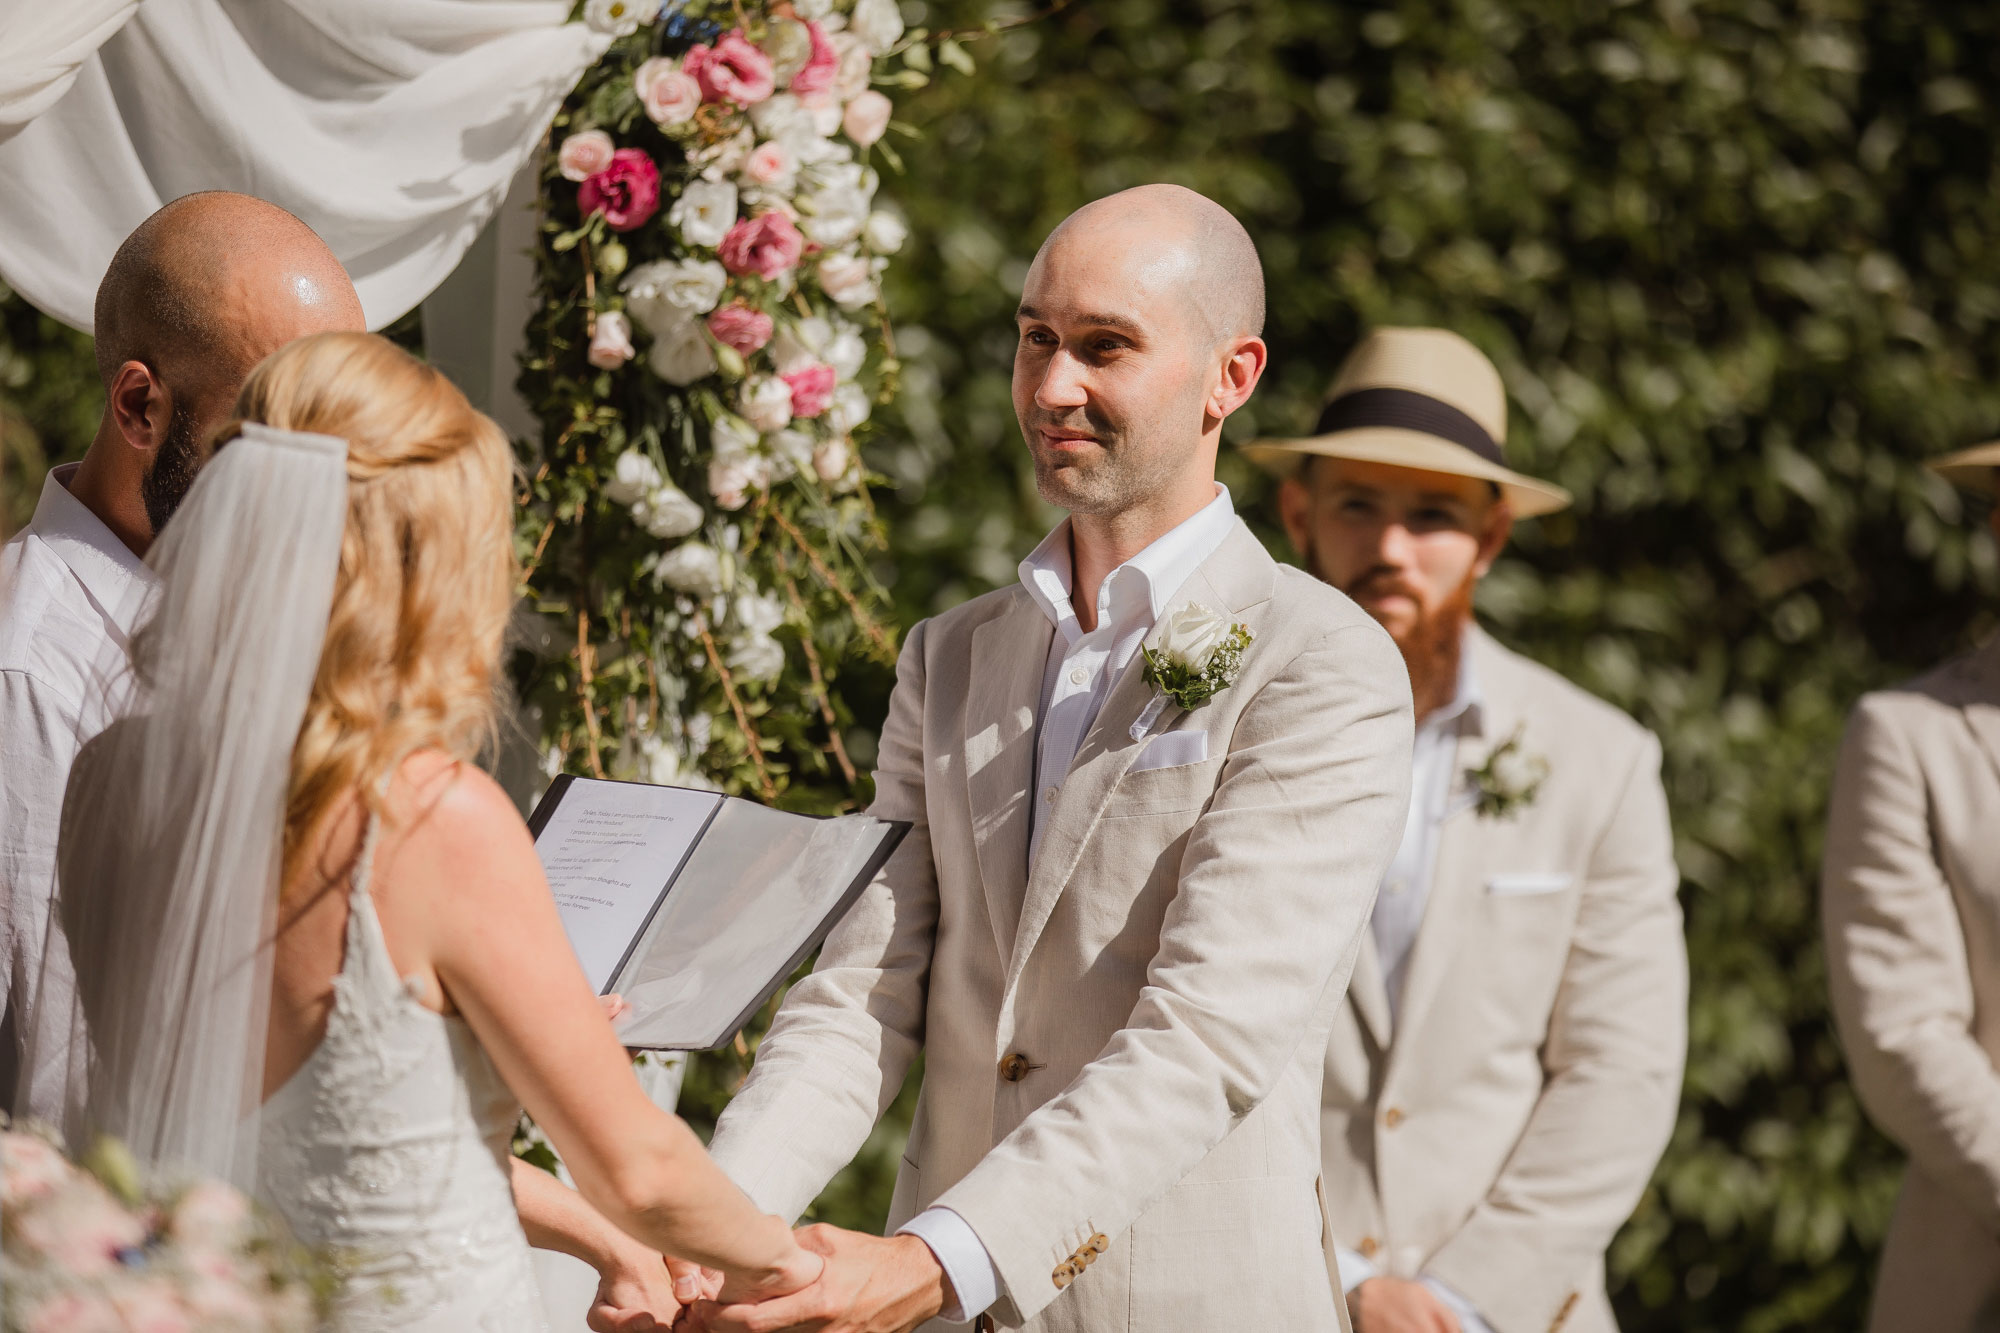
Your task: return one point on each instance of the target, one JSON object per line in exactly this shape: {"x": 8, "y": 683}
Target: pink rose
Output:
{"x": 733, "y": 71}
{"x": 769, "y": 163}
{"x": 866, "y": 117}
{"x": 584, "y": 155}
{"x": 73, "y": 1312}
{"x": 669, "y": 96}
{"x": 766, "y": 245}
{"x": 817, "y": 74}
{"x": 611, "y": 343}
{"x": 740, "y": 327}
{"x": 627, "y": 192}
{"x": 812, "y": 389}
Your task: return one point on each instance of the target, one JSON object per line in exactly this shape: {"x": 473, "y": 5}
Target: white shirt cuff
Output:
{"x": 1469, "y": 1320}
{"x": 1354, "y": 1270}
{"x": 962, "y": 1255}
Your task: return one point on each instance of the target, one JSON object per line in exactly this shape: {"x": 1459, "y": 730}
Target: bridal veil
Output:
{"x": 174, "y": 821}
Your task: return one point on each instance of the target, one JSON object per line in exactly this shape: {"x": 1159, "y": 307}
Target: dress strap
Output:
{"x": 364, "y": 864}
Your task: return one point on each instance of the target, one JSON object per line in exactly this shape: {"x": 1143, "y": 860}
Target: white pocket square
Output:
{"x": 1171, "y": 749}
{"x": 1523, "y": 885}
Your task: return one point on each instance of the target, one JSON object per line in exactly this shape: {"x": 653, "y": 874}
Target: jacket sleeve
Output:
{"x": 845, "y": 1036}
{"x": 1276, "y": 880}
{"x": 1902, "y": 989}
{"x": 1612, "y": 1061}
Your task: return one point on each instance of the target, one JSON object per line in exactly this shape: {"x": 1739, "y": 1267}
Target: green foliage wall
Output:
{"x": 1739, "y": 262}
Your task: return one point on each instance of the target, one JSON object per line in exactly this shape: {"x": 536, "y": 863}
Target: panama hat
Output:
{"x": 1417, "y": 398}
{"x": 1976, "y": 469}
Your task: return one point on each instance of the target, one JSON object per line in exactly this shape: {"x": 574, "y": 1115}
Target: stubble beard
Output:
{"x": 175, "y": 464}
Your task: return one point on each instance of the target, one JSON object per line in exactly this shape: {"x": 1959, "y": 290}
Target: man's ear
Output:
{"x": 1295, "y": 507}
{"x": 1499, "y": 524}
{"x": 1241, "y": 370}
{"x": 139, "y": 404}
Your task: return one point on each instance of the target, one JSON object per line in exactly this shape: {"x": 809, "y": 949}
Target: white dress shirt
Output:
{"x": 1082, "y": 668}
{"x": 1406, "y": 888}
{"x": 70, "y": 594}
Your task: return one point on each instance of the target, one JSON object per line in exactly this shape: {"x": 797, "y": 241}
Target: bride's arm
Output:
{"x": 637, "y": 1289}
{"x": 478, "y": 899}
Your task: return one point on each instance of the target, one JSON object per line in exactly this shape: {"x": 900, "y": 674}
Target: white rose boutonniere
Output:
{"x": 1198, "y": 655}
{"x": 1509, "y": 780}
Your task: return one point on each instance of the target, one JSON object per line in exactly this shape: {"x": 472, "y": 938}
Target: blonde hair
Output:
{"x": 427, "y": 573}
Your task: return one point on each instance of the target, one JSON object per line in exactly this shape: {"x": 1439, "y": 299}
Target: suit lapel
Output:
{"x": 1982, "y": 705}
{"x": 1369, "y": 994}
{"x": 1232, "y": 578}
{"x": 1009, "y": 655}
{"x": 1464, "y": 848}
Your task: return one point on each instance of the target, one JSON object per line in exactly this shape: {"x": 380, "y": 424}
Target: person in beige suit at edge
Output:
{"x": 1120, "y": 928}
{"x": 1506, "y": 1071}
{"x": 1910, "y": 900}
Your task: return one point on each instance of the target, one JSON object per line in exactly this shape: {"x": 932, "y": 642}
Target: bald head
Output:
{"x": 1174, "y": 242}
{"x": 207, "y": 287}
{"x": 213, "y": 278}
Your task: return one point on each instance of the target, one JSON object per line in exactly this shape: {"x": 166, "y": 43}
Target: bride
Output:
{"x": 316, "y": 953}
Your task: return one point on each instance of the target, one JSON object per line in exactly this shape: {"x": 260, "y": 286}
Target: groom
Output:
{"x": 1121, "y": 927}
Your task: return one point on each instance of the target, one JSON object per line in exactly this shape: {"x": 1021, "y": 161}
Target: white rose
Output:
{"x": 584, "y": 154}
{"x": 731, "y": 480}
{"x": 866, "y": 117}
{"x": 767, "y": 403}
{"x": 878, "y": 23}
{"x": 791, "y": 451}
{"x": 836, "y": 214}
{"x": 789, "y": 46}
{"x": 777, "y": 115}
{"x": 621, "y": 18}
{"x": 847, "y": 279}
{"x": 797, "y": 345}
{"x": 667, "y": 511}
{"x": 724, "y": 159}
{"x": 832, "y": 459}
{"x": 850, "y": 408}
{"x": 812, "y": 11}
{"x": 681, "y": 352}
{"x": 691, "y": 567}
{"x": 885, "y": 232}
{"x": 757, "y": 657}
{"x": 660, "y": 762}
{"x": 845, "y": 350}
{"x": 632, "y": 477}
{"x": 1514, "y": 771}
{"x": 669, "y": 95}
{"x": 611, "y": 341}
{"x": 759, "y": 612}
{"x": 666, "y": 285}
{"x": 1191, "y": 636}
{"x": 857, "y": 66}
{"x": 732, "y": 437}
{"x": 704, "y": 214}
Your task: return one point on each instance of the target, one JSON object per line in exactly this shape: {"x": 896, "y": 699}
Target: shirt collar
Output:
{"x": 116, "y": 579}
{"x": 1155, "y": 574}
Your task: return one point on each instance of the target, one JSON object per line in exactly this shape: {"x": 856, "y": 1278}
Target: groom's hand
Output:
{"x": 1390, "y": 1305}
{"x": 870, "y": 1285}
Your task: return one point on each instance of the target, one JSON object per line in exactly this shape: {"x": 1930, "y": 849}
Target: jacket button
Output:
{"x": 1369, "y": 1247}
{"x": 1098, "y": 1244}
{"x": 1015, "y": 1067}
{"x": 1392, "y": 1117}
{"x": 1064, "y": 1275}
{"x": 1084, "y": 1258}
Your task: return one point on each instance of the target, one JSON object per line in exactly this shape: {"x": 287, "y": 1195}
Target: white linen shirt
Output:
{"x": 70, "y": 595}
{"x": 1082, "y": 668}
{"x": 1406, "y": 889}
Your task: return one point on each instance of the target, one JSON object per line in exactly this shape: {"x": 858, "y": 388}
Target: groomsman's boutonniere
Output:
{"x": 1198, "y": 656}
{"x": 1509, "y": 780}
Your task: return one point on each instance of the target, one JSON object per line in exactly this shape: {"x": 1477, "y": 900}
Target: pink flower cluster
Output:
{"x": 766, "y": 245}
{"x": 626, "y": 191}
{"x": 731, "y": 71}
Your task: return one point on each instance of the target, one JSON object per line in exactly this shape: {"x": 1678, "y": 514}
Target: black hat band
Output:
{"x": 1405, "y": 409}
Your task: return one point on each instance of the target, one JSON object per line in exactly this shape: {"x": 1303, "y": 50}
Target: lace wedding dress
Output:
{"x": 387, "y": 1153}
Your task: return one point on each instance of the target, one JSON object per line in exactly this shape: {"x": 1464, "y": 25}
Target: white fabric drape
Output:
{"x": 392, "y": 127}
{"x": 45, "y": 45}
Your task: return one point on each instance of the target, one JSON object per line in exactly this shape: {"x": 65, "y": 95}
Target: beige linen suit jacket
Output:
{"x": 1910, "y": 898}
{"x": 1166, "y": 972}
{"x": 1501, "y": 1133}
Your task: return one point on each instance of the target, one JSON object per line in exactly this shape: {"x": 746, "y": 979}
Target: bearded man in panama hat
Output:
{"x": 1910, "y": 901}
{"x": 1504, "y": 1075}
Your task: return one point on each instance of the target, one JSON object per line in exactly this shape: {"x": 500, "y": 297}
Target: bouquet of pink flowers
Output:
{"x": 97, "y": 1249}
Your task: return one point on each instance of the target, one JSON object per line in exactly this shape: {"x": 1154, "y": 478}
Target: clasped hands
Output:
{"x": 867, "y": 1284}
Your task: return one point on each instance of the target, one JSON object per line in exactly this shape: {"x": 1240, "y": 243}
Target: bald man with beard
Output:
{"x": 197, "y": 296}
{"x": 1125, "y": 916}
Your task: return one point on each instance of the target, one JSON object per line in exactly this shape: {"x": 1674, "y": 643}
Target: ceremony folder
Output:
{"x": 695, "y": 906}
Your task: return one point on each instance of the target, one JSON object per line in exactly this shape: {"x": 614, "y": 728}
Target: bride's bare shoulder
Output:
{"x": 446, "y": 806}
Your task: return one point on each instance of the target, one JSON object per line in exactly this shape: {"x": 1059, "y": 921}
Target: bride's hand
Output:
{"x": 638, "y": 1292}
{"x": 796, "y": 1271}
